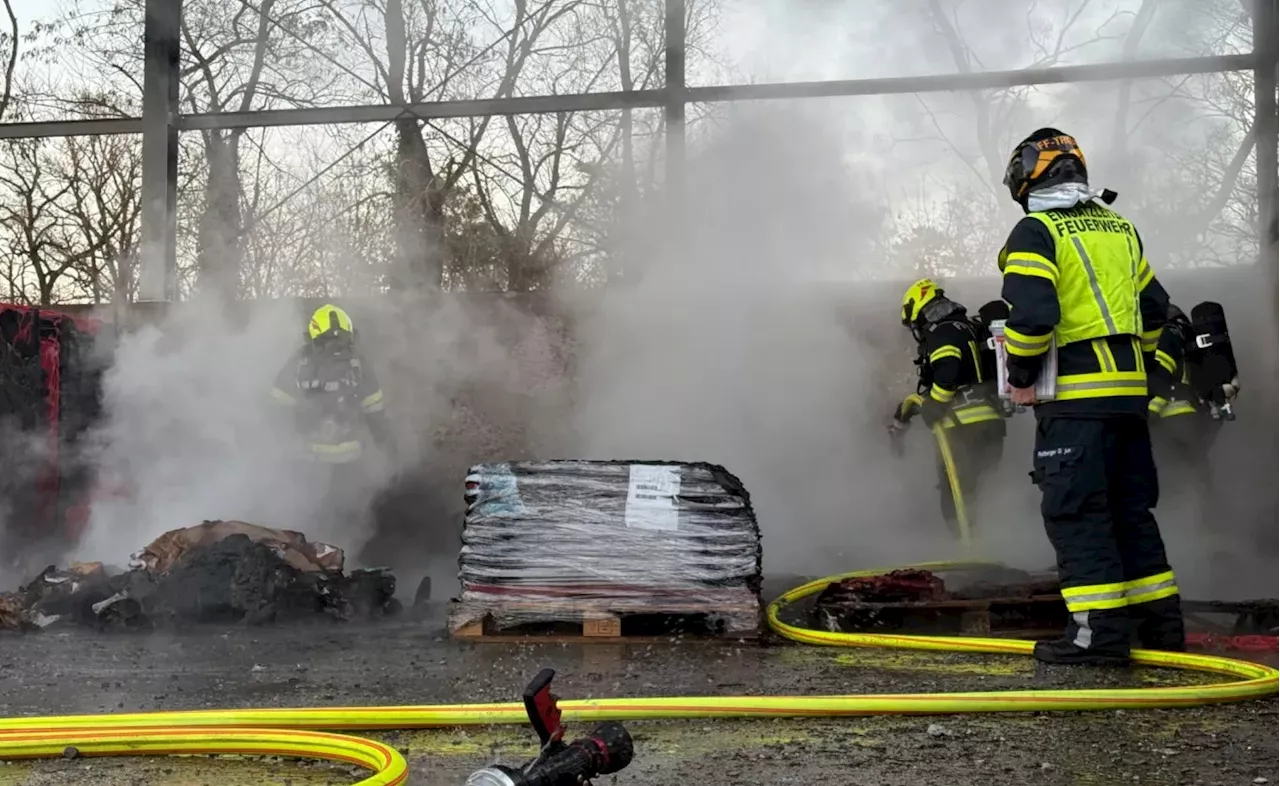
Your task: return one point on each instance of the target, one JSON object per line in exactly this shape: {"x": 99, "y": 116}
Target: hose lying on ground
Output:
{"x": 294, "y": 732}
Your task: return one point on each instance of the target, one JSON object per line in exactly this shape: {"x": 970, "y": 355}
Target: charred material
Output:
{"x": 1250, "y": 617}
{"x": 239, "y": 580}
{"x": 900, "y": 586}
{"x": 234, "y": 578}
{"x": 879, "y": 601}
{"x": 1003, "y": 583}
{"x": 993, "y": 599}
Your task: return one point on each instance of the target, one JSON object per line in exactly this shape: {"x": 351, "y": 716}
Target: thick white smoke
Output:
{"x": 190, "y": 431}
{"x": 730, "y": 349}
{"x": 727, "y": 340}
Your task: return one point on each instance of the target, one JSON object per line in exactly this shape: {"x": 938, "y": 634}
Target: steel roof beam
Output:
{"x": 586, "y": 102}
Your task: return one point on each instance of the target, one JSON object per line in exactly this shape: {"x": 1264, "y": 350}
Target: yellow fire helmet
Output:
{"x": 919, "y": 295}
{"x": 329, "y": 320}
{"x": 1034, "y": 162}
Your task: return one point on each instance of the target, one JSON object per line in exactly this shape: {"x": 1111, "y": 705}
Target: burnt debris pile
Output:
{"x": 215, "y": 572}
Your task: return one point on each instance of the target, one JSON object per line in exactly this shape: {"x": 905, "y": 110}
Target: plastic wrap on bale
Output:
{"x": 549, "y": 540}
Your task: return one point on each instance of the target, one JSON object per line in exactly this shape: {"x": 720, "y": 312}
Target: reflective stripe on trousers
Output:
{"x": 1117, "y": 595}
{"x": 1145, "y": 590}
{"x": 973, "y": 413}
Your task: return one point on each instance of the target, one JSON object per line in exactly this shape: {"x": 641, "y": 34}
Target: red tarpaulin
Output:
{"x": 46, "y": 350}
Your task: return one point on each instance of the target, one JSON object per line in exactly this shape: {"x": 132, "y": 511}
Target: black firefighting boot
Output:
{"x": 1065, "y": 652}
{"x": 1158, "y": 625}
{"x": 1092, "y": 638}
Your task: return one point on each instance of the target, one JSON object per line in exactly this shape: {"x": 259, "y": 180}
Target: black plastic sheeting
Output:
{"x": 621, "y": 532}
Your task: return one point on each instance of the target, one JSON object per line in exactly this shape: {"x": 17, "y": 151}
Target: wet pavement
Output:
{"x": 415, "y": 663}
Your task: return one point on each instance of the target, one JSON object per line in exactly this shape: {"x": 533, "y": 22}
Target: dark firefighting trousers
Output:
{"x": 976, "y": 449}
{"x": 1099, "y": 485}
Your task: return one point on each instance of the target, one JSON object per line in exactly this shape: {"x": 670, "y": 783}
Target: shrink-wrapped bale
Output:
{"x": 548, "y": 539}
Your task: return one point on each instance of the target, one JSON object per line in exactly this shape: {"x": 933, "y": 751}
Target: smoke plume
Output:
{"x": 757, "y": 329}
{"x": 729, "y": 349}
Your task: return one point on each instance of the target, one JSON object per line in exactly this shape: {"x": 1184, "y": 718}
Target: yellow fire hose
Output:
{"x": 296, "y": 732}
{"x": 949, "y": 464}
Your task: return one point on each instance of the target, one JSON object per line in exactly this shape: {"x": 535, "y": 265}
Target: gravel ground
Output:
{"x": 414, "y": 663}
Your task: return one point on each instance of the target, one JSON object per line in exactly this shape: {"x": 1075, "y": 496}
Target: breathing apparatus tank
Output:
{"x": 1211, "y": 362}
{"x": 994, "y": 312}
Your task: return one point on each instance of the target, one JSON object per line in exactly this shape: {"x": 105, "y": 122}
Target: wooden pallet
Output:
{"x": 1252, "y": 617}
{"x": 597, "y": 623}
{"x": 979, "y": 617}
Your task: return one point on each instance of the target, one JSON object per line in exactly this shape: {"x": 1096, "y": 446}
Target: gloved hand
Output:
{"x": 897, "y": 428}
{"x": 933, "y": 412}
{"x": 1156, "y": 405}
{"x": 1231, "y": 389}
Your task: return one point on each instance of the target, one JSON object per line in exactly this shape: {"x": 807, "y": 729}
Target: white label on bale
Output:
{"x": 651, "y": 497}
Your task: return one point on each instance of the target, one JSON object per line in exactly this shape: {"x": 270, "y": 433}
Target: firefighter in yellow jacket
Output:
{"x": 338, "y": 409}
{"x": 336, "y": 396}
{"x": 956, "y": 388}
{"x": 1078, "y": 282}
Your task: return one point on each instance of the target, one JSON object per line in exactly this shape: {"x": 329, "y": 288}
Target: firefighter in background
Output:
{"x": 1075, "y": 276}
{"x": 338, "y": 406}
{"x": 956, "y": 389}
{"x": 1185, "y": 421}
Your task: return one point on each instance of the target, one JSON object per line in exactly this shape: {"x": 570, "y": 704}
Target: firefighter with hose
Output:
{"x": 956, "y": 396}
{"x": 1193, "y": 384}
{"x": 1078, "y": 283}
{"x": 338, "y": 409}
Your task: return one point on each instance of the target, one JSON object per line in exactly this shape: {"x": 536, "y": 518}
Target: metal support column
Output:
{"x": 674, "y": 106}
{"x": 1266, "y": 48}
{"x": 1265, "y": 121}
{"x": 158, "y": 278}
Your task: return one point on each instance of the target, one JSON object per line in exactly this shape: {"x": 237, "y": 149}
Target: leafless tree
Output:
{"x": 566, "y": 188}
{"x": 38, "y": 231}
{"x": 104, "y": 205}
{"x": 423, "y": 50}
{"x": 1193, "y": 189}
{"x": 237, "y": 55}
{"x": 9, "y": 43}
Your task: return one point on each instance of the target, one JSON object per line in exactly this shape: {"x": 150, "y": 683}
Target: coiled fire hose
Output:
{"x": 306, "y": 732}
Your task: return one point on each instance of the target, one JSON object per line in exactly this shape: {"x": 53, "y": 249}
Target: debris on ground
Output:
{"x": 218, "y": 571}
{"x": 53, "y": 595}
{"x": 163, "y": 553}
{"x": 971, "y": 602}
{"x": 899, "y": 586}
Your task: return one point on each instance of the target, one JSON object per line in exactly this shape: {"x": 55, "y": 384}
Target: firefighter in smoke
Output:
{"x": 1078, "y": 283}
{"x": 1186, "y": 409}
{"x": 338, "y": 406}
{"x": 956, "y": 390}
